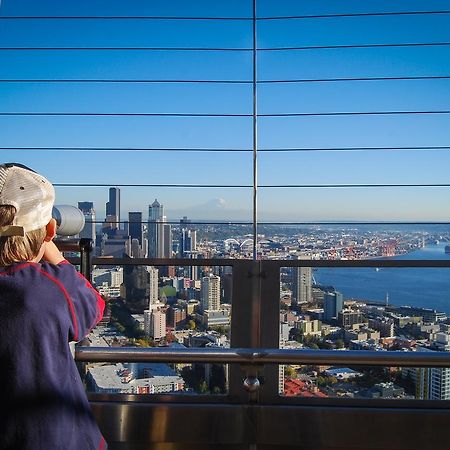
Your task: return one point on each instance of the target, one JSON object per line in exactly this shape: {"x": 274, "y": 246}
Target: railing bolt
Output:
{"x": 251, "y": 383}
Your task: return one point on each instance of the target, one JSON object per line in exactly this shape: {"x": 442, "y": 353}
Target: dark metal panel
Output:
{"x": 187, "y": 424}
{"x": 140, "y": 426}
{"x": 315, "y": 428}
{"x": 174, "y": 446}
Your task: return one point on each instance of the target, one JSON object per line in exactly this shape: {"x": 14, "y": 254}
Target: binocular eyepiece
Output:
{"x": 69, "y": 219}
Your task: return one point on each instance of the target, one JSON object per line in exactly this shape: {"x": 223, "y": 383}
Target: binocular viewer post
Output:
{"x": 70, "y": 221}
{"x": 84, "y": 246}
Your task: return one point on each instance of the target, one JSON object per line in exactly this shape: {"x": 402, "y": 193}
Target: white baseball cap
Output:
{"x": 30, "y": 193}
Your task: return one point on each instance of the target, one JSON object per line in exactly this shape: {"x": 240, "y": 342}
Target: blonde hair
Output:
{"x": 18, "y": 248}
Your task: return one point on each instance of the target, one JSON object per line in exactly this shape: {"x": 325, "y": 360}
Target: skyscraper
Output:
{"x": 188, "y": 242}
{"x": 188, "y": 247}
{"x": 135, "y": 225}
{"x": 167, "y": 245}
{"x": 159, "y": 232}
{"x": 302, "y": 285}
{"x": 153, "y": 288}
{"x": 210, "y": 293}
{"x": 332, "y": 305}
{"x": 87, "y": 208}
{"x": 113, "y": 206}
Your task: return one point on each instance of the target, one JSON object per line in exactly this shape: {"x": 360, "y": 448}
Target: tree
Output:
{"x": 191, "y": 325}
{"x": 142, "y": 343}
{"x": 290, "y": 372}
{"x": 170, "y": 338}
{"x": 296, "y": 335}
{"x": 203, "y": 387}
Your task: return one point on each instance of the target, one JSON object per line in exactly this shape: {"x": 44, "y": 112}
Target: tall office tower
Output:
{"x": 113, "y": 206}
{"x": 167, "y": 245}
{"x": 136, "y": 251}
{"x": 153, "y": 287}
{"x": 188, "y": 242}
{"x": 210, "y": 293}
{"x": 135, "y": 226}
{"x": 332, "y": 305}
{"x": 188, "y": 248}
{"x": 155, "y": 230}
{"x": 136, "y": 288}
{"x": 302, "y": 285}
{"x": 87, "y": 208}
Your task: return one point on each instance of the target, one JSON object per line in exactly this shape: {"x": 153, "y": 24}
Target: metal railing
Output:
{"x": 258, "y": 356}
{"x": 255, "y": 354}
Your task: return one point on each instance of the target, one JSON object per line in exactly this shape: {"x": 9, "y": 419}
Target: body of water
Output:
{"x": 421, "y": 287}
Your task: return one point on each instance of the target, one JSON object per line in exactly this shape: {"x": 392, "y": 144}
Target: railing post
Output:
{"x": 245, "y": 323}
{"x": 85, "y": 258}
{"x": 270, "y": 326}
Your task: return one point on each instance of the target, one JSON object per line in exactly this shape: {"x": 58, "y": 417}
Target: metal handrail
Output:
{"x": 275, "y": 263}
{"x": 259, "y": 356}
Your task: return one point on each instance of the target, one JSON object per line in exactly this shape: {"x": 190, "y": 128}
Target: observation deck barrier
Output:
{"x": 253, "y": 415}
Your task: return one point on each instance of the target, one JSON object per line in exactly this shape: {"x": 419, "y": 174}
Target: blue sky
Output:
{"x": 293, "y": 204}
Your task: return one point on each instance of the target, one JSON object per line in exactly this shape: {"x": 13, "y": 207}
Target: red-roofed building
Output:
{"x": 298, "y": 388}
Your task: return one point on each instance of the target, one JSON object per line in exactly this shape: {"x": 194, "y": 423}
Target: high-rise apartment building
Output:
{"x": 302, "y": 286}
{"x": 153, "y": 287}
{"x": 155, "y": 324}
{"x": 332, "y": 305}
{"x": 210, "y": 293}
{"x": 432, "y": 383}
{"x": 88, "y": 232}
{"x": 113, "y": 206}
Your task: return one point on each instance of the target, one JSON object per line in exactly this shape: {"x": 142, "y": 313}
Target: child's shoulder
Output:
{"x": 25, "y": 269}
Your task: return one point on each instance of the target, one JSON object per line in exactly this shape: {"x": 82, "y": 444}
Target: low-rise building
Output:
{"x": 120, "y": 379}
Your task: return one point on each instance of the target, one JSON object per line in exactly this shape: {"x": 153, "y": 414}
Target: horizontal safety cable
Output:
{"x": 99, "y": 80}
{"x": 122, "y": 114}
{"x": 121, "y": 18}
{"x": 271, "y": 186}
{"x": 229, "y": 49}
{"x": 128, "y": 149}
{"x": 263, "y": 223}
{"x": 299, "y": 80}
{"x": 350, "y": 46}
{"x": 263, "y": 18}
{"x": 354, "y": 113}
{"x": 336, "y": 113}
{"x": 367, "y": 14}
{"x": 354, "y": 149}
{"x": 350, "y": 79}
{"x": 177, "y": 49}
{"x": 231, "y": 150}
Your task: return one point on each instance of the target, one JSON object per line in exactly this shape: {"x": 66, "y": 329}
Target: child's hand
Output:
{"x": 51, "y": 253}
